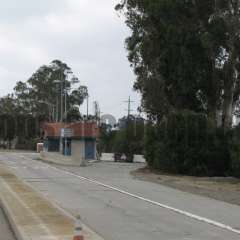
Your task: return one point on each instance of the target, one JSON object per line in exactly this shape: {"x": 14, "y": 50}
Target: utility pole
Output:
{"x": 65, "y": 111}
{"x": 87, "y": 106}
{"x": 61, "y": 79}
{"x": 129, "y": 110}
{"x": 97, "y": 112}
{"x": 57, "y": 106}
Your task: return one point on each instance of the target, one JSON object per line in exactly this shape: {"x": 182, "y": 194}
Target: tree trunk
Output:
{"x": 229, "y": 88}
{"x": 228, "y": 107}
{"x": 231, "y": 74}
{"x": 212, "y": 114}
{"x": 213, "y": 96}
{"x": 227, "y": 114}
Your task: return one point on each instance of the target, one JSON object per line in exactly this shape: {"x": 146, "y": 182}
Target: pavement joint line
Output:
{"x": 27, "y": 207}
{"x": 185, "y": 213}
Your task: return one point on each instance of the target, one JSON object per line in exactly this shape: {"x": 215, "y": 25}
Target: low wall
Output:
{"x": 107, "y": 157}
{"x": 139, "y": 159}
{"x": 58, "y": 158}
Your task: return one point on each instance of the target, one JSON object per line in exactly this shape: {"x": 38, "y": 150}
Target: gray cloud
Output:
{"x": 87, "y": 35}
{"x": 14, "y": 10}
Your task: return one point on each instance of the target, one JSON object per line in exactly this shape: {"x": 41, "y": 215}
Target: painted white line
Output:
{"x": 185, "y": 213}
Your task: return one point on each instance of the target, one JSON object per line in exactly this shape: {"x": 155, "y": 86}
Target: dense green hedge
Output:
{"x": 188, "y": 143}
{"x": 235, "y": 151}
{"x": 128, "y": 140}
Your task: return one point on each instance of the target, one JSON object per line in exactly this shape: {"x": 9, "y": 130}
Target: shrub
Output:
{"x": 187, "y": 143}
{"x": 235, "y": 152}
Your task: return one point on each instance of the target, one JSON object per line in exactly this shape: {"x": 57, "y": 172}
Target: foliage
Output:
{"x": 41, "y": 94}
{"x": 8, "y": 105}
{"x": 185, "y": 55}
{"x": 40, "y": 99}
{"x": 128, "y": 140}
{"x": 21, "y": 128}
{"x": 73, "y": 114}
{"x": 235, "y": 151}
{"x": 188, "y": 143}
{"x": 106, "y": 138}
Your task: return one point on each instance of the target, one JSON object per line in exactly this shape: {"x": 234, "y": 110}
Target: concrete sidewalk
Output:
{"x": 32, "y": 216}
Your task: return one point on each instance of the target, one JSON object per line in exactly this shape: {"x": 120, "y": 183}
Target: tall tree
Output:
{"x": 228, "y": 12}
{"x": 185, "y": 55}
{"x": 8, "y": 105}
{"x": 44, "y": 93}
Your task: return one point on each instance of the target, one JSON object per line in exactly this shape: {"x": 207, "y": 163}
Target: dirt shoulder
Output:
{"x": 219, "y": 188}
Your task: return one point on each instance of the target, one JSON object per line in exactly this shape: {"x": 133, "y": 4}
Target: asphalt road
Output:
{"x": 118, "y": 207}
{"x": 5, "y": 231}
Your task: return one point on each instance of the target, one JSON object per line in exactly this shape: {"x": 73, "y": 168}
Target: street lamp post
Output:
{"x": 57, "y": 82}
{"x": 87, "y": 106}
{"x": 61, "y": 81}
{"x": 64, "y": 91}
{"x": 74, "y": 80}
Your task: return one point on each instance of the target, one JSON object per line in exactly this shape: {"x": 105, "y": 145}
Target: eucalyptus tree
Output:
{"x": 45, "y": 91}
{"x": 185, "y": 54}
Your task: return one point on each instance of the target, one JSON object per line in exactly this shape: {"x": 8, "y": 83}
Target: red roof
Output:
{"x": 80, "y": 129}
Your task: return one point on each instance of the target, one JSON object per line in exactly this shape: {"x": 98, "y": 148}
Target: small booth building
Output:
{"x": 77, "y": 140}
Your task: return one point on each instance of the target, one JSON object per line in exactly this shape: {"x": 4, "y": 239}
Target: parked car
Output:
{"x": 117, "y": 157}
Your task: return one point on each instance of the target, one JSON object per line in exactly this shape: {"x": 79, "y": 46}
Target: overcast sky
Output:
{"x": 86, "y": 34}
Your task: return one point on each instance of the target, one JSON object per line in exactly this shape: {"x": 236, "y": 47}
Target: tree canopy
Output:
{"x": 41, "y": 94}
{"x": 185, "y": 54}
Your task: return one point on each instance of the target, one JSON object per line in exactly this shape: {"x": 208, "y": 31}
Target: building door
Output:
{"x": 89, "y": 149}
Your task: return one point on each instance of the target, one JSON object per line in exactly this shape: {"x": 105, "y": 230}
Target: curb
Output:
{"x": 10, "y": 219}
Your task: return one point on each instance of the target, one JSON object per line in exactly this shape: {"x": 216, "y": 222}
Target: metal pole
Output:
{"x": 129, "y": 110}
{"x": 129, "y": 106}
{"x": 87, "y": 106}
{"x": 65, "y": 105}
{"x": 61, "y": 98}
{"x": 53, "y": 113}
{"x": 66, "y": 141}
{"x": 57, "y": 109}
{"x": 65, "y": 115}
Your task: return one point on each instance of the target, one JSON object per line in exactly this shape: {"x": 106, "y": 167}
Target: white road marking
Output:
{"x": 27, "y": 167}
{"x": 185, "y": 213}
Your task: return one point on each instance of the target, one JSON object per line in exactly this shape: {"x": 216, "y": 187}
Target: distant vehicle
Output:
{"x": 122, "y": 157}
{"x": 117, "y": 157}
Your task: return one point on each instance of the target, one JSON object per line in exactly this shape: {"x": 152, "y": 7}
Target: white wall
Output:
{"x": 139, "y": 159}
{"x": 109, "y": 157}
